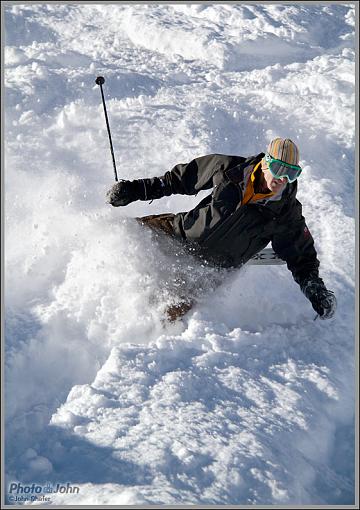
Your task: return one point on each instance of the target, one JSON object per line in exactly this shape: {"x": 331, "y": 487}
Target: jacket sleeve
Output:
{"x": 294, "y": 243}
{"x": 190, "y": 178}
{"x": 185, "y": 179}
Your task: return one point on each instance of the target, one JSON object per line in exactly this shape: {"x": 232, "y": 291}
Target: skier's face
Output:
{"x": 273, "y": 183}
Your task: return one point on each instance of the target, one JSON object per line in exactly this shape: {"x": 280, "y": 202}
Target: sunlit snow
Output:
{"x": 248, "y": 400}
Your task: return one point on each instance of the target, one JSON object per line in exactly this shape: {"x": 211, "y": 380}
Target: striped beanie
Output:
{"x": 285, "y": 150}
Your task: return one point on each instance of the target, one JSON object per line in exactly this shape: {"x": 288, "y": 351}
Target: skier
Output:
{"x": 253, "y": 202}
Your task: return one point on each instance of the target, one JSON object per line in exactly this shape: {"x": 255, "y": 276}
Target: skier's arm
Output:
{"x": 190, "y": 178}
{"x": 295, "y": 245}
{"x": 185, "y": 179}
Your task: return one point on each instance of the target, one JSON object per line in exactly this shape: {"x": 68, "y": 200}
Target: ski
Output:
{"x": 266, "y": 257}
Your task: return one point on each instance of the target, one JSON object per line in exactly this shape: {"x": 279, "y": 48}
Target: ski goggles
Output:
{"x": 281, "y": 169}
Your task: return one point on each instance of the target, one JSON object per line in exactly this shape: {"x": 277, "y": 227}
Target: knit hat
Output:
{"x": 285, "y": 150}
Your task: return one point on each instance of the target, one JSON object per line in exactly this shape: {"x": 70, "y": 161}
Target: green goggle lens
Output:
{"x": 281, "y": 169}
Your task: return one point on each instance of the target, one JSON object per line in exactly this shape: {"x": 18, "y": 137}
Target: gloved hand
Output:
{"x": 123, "y": 193}
{"x": 323, "y": 301}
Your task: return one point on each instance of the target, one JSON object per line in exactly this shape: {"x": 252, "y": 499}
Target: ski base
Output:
{"x": 266, "y": 257}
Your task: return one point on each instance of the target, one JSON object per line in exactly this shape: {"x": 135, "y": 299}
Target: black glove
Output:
{"x": 323, "y": 301}
{"x": 124, "y": 192}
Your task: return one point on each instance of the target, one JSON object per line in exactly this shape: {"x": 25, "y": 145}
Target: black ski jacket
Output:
{"x": 232, "y": 224}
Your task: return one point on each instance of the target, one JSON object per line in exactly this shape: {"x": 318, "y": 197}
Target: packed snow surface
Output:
{"x": 248, "y": 400}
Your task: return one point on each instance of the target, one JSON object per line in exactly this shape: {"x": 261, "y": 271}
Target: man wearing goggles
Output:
{"x": 279, "y": 169}
{"x": 252, "y": 203}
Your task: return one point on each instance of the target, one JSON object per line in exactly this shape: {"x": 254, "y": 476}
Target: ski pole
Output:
{"x": 100, "y": 80}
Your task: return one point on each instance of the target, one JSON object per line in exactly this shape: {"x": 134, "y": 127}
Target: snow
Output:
{"x": 248, "y": 400}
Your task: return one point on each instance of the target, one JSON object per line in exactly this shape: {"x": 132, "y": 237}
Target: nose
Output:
{"x": 276, "y": 182}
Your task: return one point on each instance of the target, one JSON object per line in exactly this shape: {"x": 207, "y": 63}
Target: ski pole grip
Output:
{"x": 100, "y": 80}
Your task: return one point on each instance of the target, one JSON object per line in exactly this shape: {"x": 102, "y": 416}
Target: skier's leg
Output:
{"x": 164, "y": 223}
{"x": 178, "y": 310}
